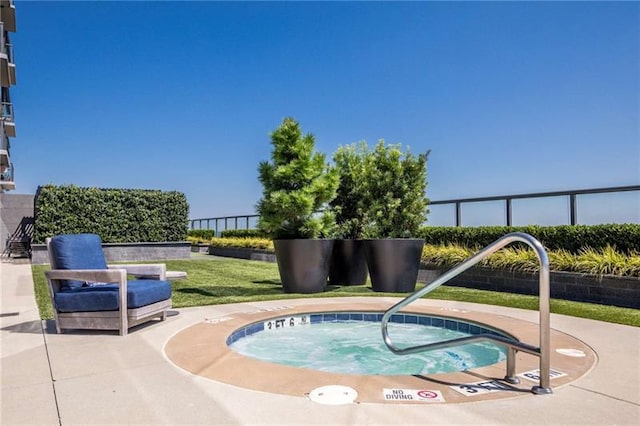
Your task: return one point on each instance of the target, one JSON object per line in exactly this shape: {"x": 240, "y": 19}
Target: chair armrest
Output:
{"x": 90, "y": 275}
{"x": 153, "y": 270}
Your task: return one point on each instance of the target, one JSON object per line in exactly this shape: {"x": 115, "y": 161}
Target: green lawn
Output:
{"x": 213, "y": 281}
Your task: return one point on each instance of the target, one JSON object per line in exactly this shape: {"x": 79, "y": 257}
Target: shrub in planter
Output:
{"x": 394, "y": 193}
{"x": 348, "y": 263}
{"x": 297, "y": 186}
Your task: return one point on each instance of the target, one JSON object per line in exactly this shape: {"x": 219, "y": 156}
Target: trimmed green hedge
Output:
{"x": 624, "y": 237}
{"x": 207, "y": 234}
{"x": 202, "y": 234}
{"x": 117, "y": 215}
{"x": 243, "y": 233}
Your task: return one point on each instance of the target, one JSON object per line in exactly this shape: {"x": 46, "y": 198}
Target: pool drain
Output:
{"x": 333, "y": 395}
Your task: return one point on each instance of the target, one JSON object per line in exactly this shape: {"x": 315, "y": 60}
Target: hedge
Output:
{"x": 202, "y": 234}
{"x": 243, "y": 233}
{"x": 624, "y": 238}
{"x": 117, "y": 215}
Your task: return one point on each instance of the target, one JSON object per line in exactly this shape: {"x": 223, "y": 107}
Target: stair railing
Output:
{"x": 542, "y": 351}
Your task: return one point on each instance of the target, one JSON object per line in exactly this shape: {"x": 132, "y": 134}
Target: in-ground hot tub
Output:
{"x": 202, "y": 349}
{"x": 351, "y": 343}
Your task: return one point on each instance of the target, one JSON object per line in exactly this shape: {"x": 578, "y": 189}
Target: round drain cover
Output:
{"x": 576, "y": 353}
{"x": 333, "y": 395}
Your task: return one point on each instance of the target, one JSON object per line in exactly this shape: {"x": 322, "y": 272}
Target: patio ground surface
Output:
{"x": 102, "y": 378}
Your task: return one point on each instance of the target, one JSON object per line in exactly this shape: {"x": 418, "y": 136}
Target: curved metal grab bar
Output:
{"x": 542, "y": 351}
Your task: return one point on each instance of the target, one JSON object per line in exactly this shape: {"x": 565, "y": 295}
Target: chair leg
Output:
{"x": 164, "y": 315}
{"x": 124, "y": 322}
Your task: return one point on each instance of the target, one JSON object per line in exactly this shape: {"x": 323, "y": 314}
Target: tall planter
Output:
{"x": 348, "y": 263}
{"x": 303, "y": 264}
{"x": 297, "y": 185}
{"x": 393, "y": 263}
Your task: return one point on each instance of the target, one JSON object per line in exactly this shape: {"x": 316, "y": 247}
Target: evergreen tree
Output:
{"x": 297, "y": 186}
{"x": 394, "y": 191}
{"x": 349, "y": 206}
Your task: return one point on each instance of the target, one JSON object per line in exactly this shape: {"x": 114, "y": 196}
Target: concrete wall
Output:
{"x": 243, "y": 253}
{"x": 127, "y": 252}
{"x": 605, "y": 290}
{"x": 16, "y": 218}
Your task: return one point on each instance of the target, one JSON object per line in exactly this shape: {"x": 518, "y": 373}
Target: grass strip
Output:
{"x": 215, "y": 281}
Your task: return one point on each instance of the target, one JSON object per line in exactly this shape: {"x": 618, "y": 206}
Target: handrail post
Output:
{"x": 545, "y": 322}
{"x": 511, "y": 377}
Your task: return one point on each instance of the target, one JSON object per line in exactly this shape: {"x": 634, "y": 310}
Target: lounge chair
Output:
{"x": 86, "y": 293}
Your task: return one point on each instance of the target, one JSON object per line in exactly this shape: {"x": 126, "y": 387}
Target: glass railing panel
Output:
{"x": 7, "y": 111}
{"x": 4, "y": 140}
{"x": 8, "y": 50}
{"x": 7, "y": 174}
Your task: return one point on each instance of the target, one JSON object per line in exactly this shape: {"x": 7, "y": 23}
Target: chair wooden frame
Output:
{"x": 120, "y": 320}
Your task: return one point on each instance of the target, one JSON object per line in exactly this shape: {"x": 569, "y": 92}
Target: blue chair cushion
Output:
{"x": 104, "y": 297}
{"x": 77, "y": 251}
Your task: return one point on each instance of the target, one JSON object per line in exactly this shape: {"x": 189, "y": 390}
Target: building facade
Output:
{"x": 7, "y": 79}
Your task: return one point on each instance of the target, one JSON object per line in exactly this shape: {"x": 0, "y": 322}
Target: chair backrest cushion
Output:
{"x": 76, "y": 251}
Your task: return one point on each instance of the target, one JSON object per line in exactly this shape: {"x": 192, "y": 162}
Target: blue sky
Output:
{"x": 509, "y": 97}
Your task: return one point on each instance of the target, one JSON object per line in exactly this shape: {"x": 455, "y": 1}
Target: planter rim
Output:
{"x": 294, "y": 239}
{"x": 393, "y": 239}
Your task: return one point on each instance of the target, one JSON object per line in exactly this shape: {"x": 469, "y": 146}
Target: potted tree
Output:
{"x": 394, "y": 193}
{"x": 348, "y": 264}
{"x": 297, "y": 185}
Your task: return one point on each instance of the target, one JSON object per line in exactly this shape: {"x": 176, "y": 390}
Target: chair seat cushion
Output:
{"x": 105, "y": 297}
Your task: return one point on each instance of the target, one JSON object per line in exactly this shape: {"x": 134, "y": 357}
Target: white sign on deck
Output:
{"x": 415, "y": 395}
{"x": 286, "y": 322}
{"x": 478, "y": 388}
{"x": 534, "y": 375}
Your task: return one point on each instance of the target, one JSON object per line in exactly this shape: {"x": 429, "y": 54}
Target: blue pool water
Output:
{"x": 352, "y": 343}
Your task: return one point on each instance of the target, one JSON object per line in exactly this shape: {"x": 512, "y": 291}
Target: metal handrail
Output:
{"x": 513, "y": 346}
{"x": 508, "y": 199}
{"x": 458, "y": 202}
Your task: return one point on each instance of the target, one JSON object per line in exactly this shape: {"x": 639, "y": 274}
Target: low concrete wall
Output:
{"x": 127, "y": 252}
{"x": 16, "y": 220}
{"x": 243, "y": 253}
{"x": 605, "y": 290}
{"x": 200, "y": 248}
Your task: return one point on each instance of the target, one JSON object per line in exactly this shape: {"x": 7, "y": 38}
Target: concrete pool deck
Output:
{"x": 102, "y": 378}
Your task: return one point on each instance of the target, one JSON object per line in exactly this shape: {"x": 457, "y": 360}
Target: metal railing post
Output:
{"x": 573, "y": 214}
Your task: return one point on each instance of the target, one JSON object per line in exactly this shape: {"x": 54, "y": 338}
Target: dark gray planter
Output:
{"x": 303, "y": 264}
{"x": 393, "y": 263}
{"x": 348, "y": 263}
